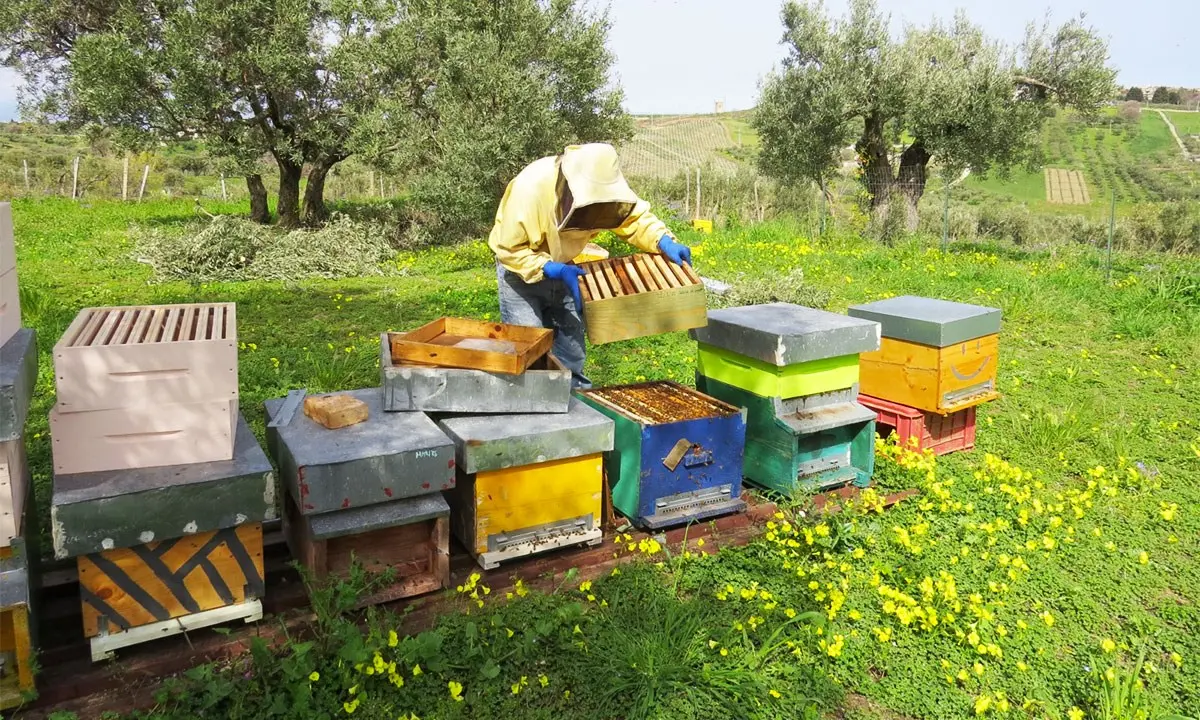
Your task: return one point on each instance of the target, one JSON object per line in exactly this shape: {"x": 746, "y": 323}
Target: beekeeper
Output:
{"x": 549, "y": 212}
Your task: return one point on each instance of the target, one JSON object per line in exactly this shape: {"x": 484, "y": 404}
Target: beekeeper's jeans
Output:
{"x": 545, "y": 304}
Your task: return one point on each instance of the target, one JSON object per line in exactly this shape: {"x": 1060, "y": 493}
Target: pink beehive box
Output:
{"x": 8, "y": 248}
{"x": 121, "y": 357}
{"x": 10, "y": 301}
{"x": 14, "y": 479}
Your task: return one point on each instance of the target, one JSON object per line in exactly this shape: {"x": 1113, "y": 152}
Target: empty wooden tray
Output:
{"x": 472, "y": 344}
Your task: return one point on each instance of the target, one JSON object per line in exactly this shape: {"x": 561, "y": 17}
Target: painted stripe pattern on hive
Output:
{"x": 158, "y": 581}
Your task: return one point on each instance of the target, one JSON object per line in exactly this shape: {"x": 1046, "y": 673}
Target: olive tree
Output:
{"x": 944, "y": 93}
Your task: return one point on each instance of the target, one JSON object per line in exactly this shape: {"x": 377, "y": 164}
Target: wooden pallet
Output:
{"x": 473, "y": 345}
{"x": 640, "y": 295}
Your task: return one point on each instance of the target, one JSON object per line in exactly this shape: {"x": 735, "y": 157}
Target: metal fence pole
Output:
{"x": 946, "y": 220}
{"x": 1112, "y": 224}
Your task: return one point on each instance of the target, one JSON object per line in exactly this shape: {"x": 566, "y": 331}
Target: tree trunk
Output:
{"x": 910, "y": 181}
{"x": 289, "y": 192}
{"x": 898, "y": 192}
{"x": 315, "y": 212}
{"x": 877, "y": 165}
{"x": 259, "y": 212}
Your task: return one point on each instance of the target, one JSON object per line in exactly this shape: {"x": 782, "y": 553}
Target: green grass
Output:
{"x": 1186, "y": 123}
{"x": 1093, "y": 374}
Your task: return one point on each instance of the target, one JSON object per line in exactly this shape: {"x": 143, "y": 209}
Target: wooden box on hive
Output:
{"x": 935, "y": 355}
{"x": 472, "y": 344}
{"x": 794, "y": 369}
{"x": 372, "y": 489}
{"x": 921, "y": 429}
{"x": 18, "y": 628}
{"x": 10, "y": 299}
{"x": 677, "y": 453}
{"x": 640, "y": 295}
{"x": 544, "y": 386}
{"x": 145, "y": 386}
{"x": 528, "y": 483}
{"x": 161, "y": 550}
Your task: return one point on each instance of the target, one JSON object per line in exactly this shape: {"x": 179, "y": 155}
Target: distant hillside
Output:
{"x": 664, "y": 146}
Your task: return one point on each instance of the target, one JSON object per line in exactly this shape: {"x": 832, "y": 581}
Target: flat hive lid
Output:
{"x": 18, "y": 376}
{"x": 97, "y": 511}
{"x": 928, "y": 321}
{"x": 390, "y": 455}
{"x": 354, "y": 521}
{"x": 494, "y": 442}
{"x": 785, "y": 334}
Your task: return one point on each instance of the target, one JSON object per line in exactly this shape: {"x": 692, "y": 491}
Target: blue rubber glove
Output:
{"x": 568, "y": 274}
{"x": 677, "y": 252}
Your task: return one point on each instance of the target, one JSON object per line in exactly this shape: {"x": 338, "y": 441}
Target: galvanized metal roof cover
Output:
{"x": 354, "y": 521}
{"x": 18, "y": 374}
{"x": 785, "y": 334}
{"x": 389, "y": 456}
{"x": 928, "y": 321}
{"x": 98, "y": 511}
{"x": 495, "y": 442}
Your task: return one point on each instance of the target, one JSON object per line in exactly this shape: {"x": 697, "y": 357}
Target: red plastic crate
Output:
{"x": 940, "y": 433}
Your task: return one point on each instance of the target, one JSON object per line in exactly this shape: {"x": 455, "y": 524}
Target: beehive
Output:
{"x": 18, "y": 629}
{"x": 806, "y": 444}
{"x": 783, "y": 334}
{"x": 935, "y": 355}
{"x": 10, "y": 299}
{"x": 544, "y": 387}
{"x": 528, "y": 483}
{"x": 409, "y": 538}
{"x": 677, "y": 453}
{"x": 115, "y": 358}
{"x": 388, "y": 457}
{"x": 15, "y": 482}
{"x": 769, "y": 380}
{"x": 96, "y": 511}
{"x": 638, "y": 296}
{"x": 158, "y": 588}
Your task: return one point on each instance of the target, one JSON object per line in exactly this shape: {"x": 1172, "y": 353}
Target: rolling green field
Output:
{"x": 1021, "y": 583}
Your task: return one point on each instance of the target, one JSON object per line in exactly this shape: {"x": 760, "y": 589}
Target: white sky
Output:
{"x": 679, "y": 56}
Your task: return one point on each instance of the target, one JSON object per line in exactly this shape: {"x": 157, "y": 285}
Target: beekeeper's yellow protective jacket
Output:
{"x": 526, "y": 233}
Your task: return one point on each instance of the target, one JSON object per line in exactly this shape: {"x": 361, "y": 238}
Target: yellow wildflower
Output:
{"x": 314, "y": 676}
{"x": 1108, "y": 645}
{"x": 456, "y": 690}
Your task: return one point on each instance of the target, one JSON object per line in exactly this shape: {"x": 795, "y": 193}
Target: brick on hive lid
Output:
{"x": 785, "y": 334}
{"x": 929, "y": 321}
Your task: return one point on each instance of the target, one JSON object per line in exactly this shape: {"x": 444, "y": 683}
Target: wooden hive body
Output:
{"x": 409, "y": 538}
{"x": 127, "y": 588}
{"x": 677, "y": 456}
{"x": 806, "y": 444}
{"x": 940, "y": 380}
{"x": 769, "y": 380}
{"x": 15, "y": 482}
{"x": 519, "y": 511}
{"x": 18, "y": 626}
{"x": 638, "y": 296}
{"x": 472, "y": 345}
{"x": 113, "y": 358}
{"x": 923, "y": 430}
{"x": 10, "y": 300}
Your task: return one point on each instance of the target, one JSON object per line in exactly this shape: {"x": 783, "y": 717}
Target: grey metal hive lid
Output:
{"x": 785, "y": 334}
{"x": 495, "y": 442}
{"x": 928, "y": 321}
{"x": 18, "y": 375}
{"x": 354, "y": 521}
{"x": 382, "y": 434}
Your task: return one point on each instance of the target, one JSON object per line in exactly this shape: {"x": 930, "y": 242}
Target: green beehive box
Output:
{"x": 769, "y": 380}
{"x": 808, "y": 444}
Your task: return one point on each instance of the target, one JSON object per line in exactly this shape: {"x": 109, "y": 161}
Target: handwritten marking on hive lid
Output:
{"x": 426, "y": 453}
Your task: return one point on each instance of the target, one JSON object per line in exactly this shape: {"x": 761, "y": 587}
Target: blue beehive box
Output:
{"x": 677, "y": 454}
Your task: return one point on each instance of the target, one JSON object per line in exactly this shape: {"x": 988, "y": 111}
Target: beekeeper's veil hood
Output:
{"x": 592, "y": 192}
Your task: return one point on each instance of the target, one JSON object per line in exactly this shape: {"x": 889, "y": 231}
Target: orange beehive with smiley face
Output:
{"x": 935, "y": 355}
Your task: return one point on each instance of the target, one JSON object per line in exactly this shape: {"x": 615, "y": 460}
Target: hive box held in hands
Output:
{"x": 528, "y": 483}
{"x": 387, "y": 457}
{"x": 678, "y": 453}
{"x": 639, "y": 296}
{"x": 783, "y": 334}
{"x": 811, "y": 443}
{"x": 115, "y": 358}
{"x": 544, "y": 387}
{"x": 409, "y": 537}
{"x": 936, "y": 356}
{"x": 95, "y": 511}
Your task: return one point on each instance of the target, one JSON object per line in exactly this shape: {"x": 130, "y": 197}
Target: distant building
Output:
{"x": 719, "y": 106}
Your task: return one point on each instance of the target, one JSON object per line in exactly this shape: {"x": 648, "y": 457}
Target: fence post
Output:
{"x": 1112, "y": 225}
{"x": 687, "y": 191}
{"x": 946, "y": 219}
{"x": 125, "y": 179}
{"x": 145, "y": 174}
{"x": 25, "y": 163}
{"x": 224, "y": 194}
{"x": 75, "y": 177}
{"x": 821, "y": 217}
{"x": 697, "y": 193}
{"x": 757, "y": 207}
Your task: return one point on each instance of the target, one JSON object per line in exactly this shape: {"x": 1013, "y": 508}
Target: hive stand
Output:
{"x": 388, "y": 457}
{"x": 677, "y": 456}
{"x": 408, "y": 538}
{"x": 18, "y": 594}
{"x": 921, "y": 430}
{"x": 935, "y": 355}
{"x": 92, "y": 512}
{"x": 528, "y": 483}
{"x": 545, "y": 387}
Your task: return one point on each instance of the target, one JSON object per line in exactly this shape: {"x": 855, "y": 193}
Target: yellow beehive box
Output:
{"x": 704, "y": 226}
{"x": 941, "y": 380}
{"x": 591, "y": 252}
